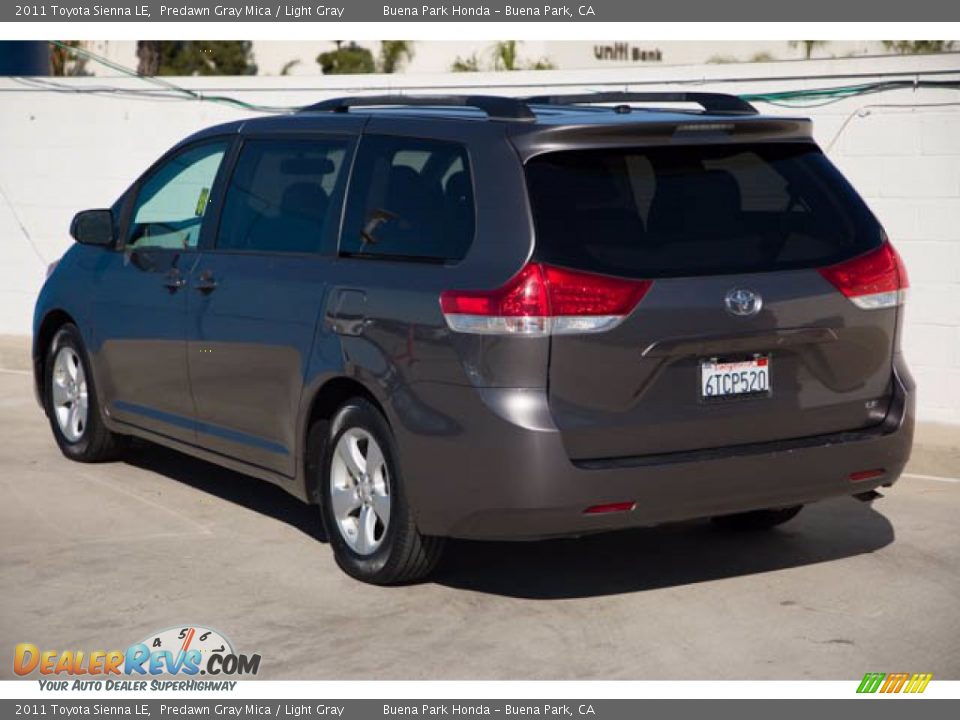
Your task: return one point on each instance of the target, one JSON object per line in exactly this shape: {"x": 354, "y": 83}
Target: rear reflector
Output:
{"x": 862, "y": 475}
{"x": 610, "y": 508}
{"x": 542, "y": 300}
{"x": 875, "y": 280}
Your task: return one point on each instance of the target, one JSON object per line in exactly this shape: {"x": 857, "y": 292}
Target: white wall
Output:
{"x": 63, "y": 151}
{"x": 435, "y": 56}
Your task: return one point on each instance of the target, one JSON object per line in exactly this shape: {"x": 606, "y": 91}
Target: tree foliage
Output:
{"x": 394, "y": 54}
{"x": 63, "y": 62}
{"x": 541, "y": 64}
{"x": 467, "y": 64}
{"x": 195, "y": 57}
{"x": 504, "y": 55}
{"x": 349, "y": 60}
{"x": 916, "y": 47}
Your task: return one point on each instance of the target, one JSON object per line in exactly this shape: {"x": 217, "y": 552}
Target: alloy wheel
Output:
{"x": 360, "y": 491}
{"x": 69, "y": 388}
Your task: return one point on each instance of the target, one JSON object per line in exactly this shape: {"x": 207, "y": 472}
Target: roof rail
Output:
{"x": 496, "y": 107}
{"x": 718, "y": 103}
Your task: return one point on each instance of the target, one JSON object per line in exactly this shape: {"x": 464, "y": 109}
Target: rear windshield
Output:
{"x": 695, "y": 210}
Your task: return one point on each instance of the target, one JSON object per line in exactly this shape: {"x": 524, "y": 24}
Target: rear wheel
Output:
{"x": 72, "y": 405}
{"x": 758, "y": 519}
{"x": 364, "y": 504}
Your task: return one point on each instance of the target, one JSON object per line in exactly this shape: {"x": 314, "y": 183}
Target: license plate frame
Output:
{"x": 753, "y": 373}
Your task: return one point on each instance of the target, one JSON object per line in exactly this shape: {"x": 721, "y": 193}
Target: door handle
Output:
{"x": 173, "y": 280}
{"x": 206, "y": 283}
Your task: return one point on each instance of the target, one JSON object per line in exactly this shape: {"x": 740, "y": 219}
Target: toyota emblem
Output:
{"x": 742, "y": 302}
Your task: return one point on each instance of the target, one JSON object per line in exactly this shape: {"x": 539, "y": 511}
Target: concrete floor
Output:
{"x": 97, "y": 557}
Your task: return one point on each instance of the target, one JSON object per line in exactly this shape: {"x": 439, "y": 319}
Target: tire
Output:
{"x": 758, "y": 519}
{"x": 364, "y": 546}
{"x": 71, "y": 402}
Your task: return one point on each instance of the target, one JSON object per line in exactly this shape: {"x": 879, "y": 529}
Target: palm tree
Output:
{"x": 808, "y": 46}
{"x": 394, "y": 53}
{"x": 505, "y": 55}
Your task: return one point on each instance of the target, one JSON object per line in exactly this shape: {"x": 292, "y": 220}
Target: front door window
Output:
{"x": 173, "y": 200}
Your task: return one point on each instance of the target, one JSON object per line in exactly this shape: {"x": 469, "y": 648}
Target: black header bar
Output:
{"x": 336, "y": 11}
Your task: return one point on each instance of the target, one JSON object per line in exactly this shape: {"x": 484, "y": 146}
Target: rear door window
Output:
{"x": 696, "y": 210}
{"x": 284, "y": 196}
{"x": 410, "y": 199}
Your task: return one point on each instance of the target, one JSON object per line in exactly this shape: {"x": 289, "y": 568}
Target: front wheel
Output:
{"x": 364, "y": 504}
{"x": 758, "y": 519}
{"x": 71, "y": 402}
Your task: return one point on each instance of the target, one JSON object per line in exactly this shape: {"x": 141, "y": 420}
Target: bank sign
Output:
{"x": 625, "y": 52}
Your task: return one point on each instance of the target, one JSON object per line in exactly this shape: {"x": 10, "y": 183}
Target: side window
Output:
{"x": 284, "y": 196}
{"x": 172, "y": 202}
{"x": 409, "y": 199}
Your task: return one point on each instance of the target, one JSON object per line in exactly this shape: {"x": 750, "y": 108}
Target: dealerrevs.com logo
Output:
{"x": 179, "y": 651}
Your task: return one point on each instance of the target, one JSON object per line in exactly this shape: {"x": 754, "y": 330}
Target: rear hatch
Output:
{"x": 767, "y": 304}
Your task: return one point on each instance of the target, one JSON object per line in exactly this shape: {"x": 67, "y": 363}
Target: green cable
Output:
{"x": 185, "y": 93}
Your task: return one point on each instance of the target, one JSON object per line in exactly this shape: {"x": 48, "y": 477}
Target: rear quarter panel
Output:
{"x": 405, "y": 354}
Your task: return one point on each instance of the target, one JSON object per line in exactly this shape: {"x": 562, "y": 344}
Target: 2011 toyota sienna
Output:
{"x": 487, "y": 317}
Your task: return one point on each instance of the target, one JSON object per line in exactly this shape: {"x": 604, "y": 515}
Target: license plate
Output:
{"x": 735, "y": 379}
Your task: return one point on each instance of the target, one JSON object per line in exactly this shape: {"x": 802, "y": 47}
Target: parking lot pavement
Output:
{"x": 99, "y": 556}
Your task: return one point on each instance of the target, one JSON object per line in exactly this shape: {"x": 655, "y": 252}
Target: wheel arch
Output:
{"x": 51, "y": 323}
{"x": 326, "y": 400}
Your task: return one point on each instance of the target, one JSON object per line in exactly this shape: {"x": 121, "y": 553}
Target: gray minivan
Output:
{"x": 493, "y": 318}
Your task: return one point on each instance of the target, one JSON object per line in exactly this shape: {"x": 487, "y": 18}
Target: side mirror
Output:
{"x": 92, "y": 227}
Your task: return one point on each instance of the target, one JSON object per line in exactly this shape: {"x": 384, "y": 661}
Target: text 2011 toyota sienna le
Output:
{"x": 484, "y": 317}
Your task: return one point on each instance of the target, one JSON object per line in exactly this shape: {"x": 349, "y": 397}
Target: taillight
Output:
{"x": 862, "y": 475}
{"x": 542, "y": 300}
{"x": 875, "y": 280}
{"x": 610, "y": 508}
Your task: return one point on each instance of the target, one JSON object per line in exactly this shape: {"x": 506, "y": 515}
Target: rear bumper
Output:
{"x": 505, "y": 474}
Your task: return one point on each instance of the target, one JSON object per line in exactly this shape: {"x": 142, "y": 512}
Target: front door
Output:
{"x": 140, "y": 305}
